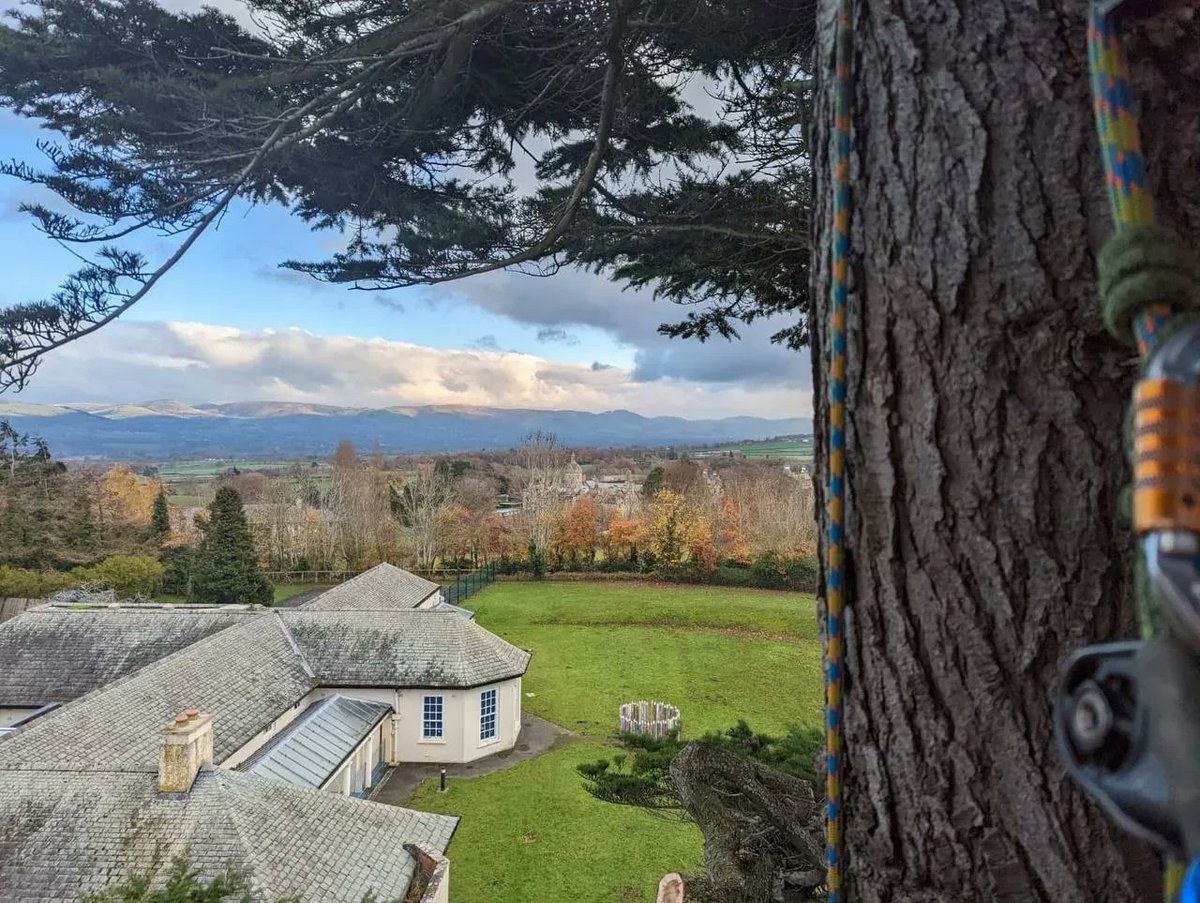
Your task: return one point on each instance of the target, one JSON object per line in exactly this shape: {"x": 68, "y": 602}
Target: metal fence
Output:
{"x": 444, "y": 576}
{"x": 469, "y": 584}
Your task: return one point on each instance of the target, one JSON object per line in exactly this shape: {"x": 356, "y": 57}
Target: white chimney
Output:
{"x": 187, "y": 743}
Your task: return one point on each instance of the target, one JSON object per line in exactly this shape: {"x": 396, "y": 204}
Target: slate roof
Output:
{"x": 416, "y": 648}
{"x": 446, "y": 606}
{"x": 11, "y": 606}
{"x": 67, "y": 834}
{"x": 384, "y": 587}
{"x": 314, "y": 746}
{"x": 79, "y": 807}
{"x": 245, "y": 676}
{"x": 55, "y": 653}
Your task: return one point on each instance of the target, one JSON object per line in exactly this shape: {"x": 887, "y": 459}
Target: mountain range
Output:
{"x": 172, "y": 429}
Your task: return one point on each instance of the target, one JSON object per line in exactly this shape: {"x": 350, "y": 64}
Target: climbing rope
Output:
{"x": 1143, "y": 268}
{"x": 1124, "y": 164}
{"x": 835, "y": 565}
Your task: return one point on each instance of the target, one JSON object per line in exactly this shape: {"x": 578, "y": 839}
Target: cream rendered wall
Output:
{"x": 460, "y": 721}
{"x": 260, "y": 740}
{"x": 508, "y": 726}
{"x": 411, "y": 746}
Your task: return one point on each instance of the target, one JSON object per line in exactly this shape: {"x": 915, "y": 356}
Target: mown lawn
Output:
{"x": 719, "y": 654}
{"x": 531, "y": 832}
{"x": 285, "y": 591}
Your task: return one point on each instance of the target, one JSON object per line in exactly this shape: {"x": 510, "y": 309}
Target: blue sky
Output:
{"x": 226, "y": 312}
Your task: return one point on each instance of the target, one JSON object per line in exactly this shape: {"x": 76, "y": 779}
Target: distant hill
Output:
{"x": 170, "y": 429}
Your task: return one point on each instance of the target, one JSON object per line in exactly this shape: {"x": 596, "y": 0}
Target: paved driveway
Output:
{"x": 537, "y": 736}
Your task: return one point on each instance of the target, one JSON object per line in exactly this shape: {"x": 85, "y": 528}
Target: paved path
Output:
{"x": 537, "y": 737}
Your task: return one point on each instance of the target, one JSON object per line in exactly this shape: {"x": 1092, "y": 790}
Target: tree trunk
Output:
{"x": 985, "y": 437}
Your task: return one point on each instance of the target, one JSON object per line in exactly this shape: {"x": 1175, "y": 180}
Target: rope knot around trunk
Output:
{"x": 1141, "y": 266}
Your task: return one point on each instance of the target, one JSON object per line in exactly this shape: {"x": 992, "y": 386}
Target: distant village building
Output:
{"x": 616, "y": 490}
{"x": 573, "y": 477}
{"x": 274, "y": 719}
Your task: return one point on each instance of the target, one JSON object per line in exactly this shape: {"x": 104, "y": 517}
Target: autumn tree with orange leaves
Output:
{"x": 625, "y": 533}
{"x": 733, "y": 539}
{"x": 124, "y": 499}
{"x": 581, "y": 528}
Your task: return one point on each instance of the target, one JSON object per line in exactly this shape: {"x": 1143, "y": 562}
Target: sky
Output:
{"x": 227, "y": 324}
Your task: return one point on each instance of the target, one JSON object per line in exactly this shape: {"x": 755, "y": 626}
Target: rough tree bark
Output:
{"x": 985, "y": 437}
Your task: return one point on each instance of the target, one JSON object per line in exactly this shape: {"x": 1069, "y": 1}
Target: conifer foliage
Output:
{"x": 226, "y": 566}
{"x": 160, "y": 517}
{"x": 367, "y": 117}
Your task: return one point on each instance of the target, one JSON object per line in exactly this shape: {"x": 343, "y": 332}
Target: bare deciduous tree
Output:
{"x": 419, "y": 505}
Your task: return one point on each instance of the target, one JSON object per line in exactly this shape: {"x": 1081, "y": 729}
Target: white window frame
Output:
{"x": 484, "y": 737}
{"x": 440, "y": 737}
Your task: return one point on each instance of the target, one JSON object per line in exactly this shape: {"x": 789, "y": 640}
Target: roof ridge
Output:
{"x": 461, "y": 647}
{"x": 146, "y": 608}
{"x": 291, "y": 640}
{"x": 225, "y": 776}
{"x": 500, "y": 648}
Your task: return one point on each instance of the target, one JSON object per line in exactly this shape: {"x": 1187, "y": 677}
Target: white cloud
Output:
{"x": 197, "y": 362}
{"x": 574, "y": 297}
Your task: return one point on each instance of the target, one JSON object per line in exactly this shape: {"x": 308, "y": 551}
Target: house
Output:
{"x": 296, "y": 711}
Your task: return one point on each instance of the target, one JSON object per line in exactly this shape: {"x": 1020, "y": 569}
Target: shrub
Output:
{"x": 536, "y": 562}
{"x": 725, "y": 575}
{"x": 23, "y": 583}
{"x": 771, "y": 571}
{"x": 128, "y": 575}
{"x": 647, "y": 783}
{"x": 508, "y": 567}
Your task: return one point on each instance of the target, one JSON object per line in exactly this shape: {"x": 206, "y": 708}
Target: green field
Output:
{"x": 531, "y": 832}
{"x": 792, "y": 447}
{"x": 169, "y": 470}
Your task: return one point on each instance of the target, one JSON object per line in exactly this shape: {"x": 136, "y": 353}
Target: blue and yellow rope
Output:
{"x": 1121, "y": 149}
{"x": 835, "y": 563}
{"x": 1130, "y": 199}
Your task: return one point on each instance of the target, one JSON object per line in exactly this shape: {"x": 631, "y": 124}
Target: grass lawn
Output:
{"x": 285, "y": 591}
{"x": 719, "y": 654}
{"x": 531, "y": 832}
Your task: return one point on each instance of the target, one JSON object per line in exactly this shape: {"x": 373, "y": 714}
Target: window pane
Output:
{"x": 487, "y": 715}
{"x": 432, "y": 721}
